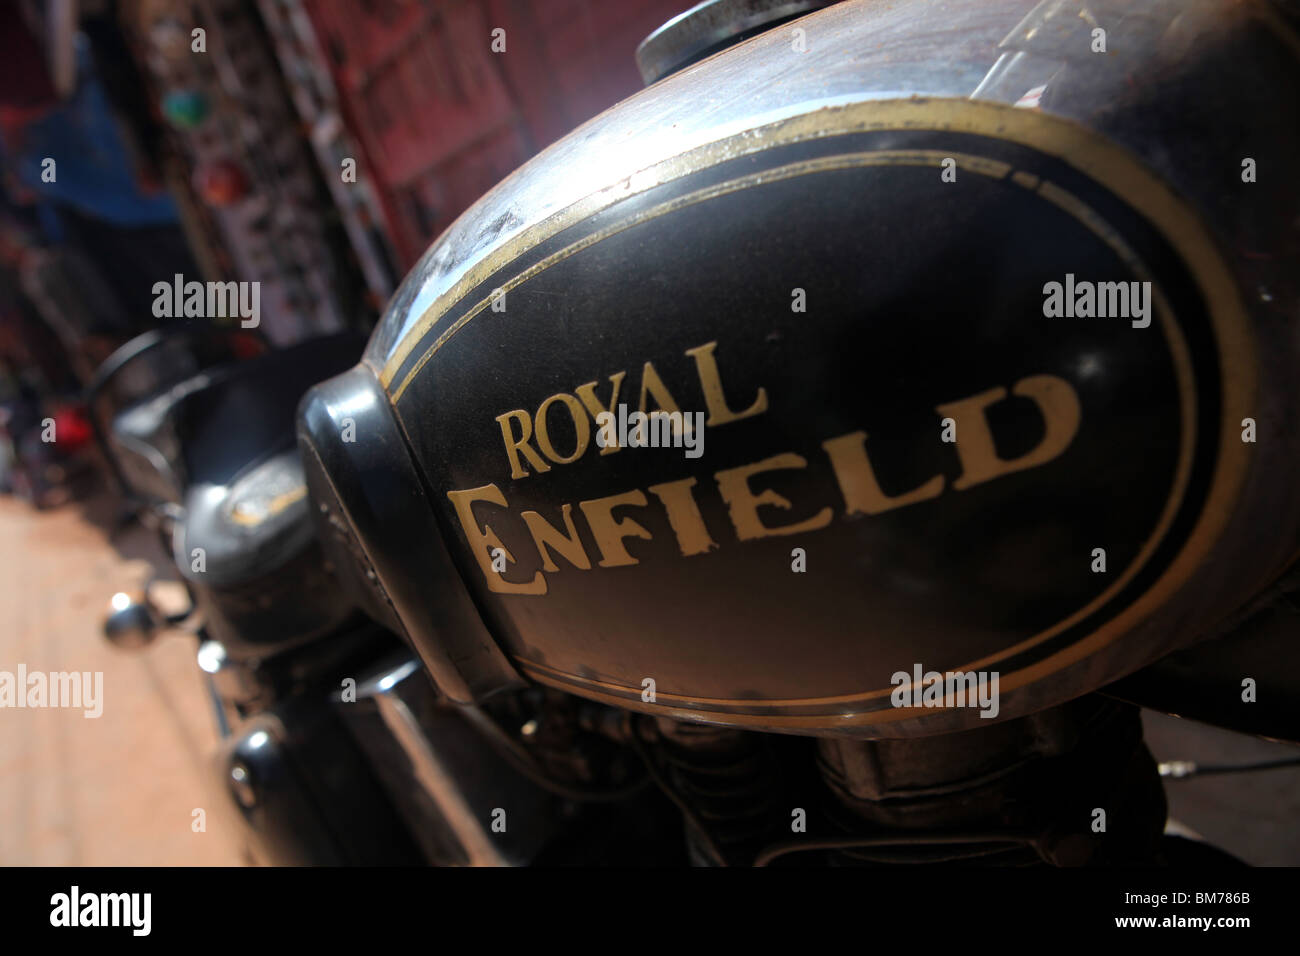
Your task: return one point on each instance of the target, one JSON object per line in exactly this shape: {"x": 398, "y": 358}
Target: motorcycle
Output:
{"x": 815, "y": 459}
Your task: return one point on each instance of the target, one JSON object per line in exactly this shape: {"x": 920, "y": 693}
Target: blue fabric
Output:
{"x": 92, "y": 168}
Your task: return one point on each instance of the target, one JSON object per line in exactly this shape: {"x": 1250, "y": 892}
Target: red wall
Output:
{"x": 442, "y": 118}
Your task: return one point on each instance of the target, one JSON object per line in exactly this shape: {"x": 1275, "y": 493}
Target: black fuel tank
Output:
{"x": 974, "y": 325}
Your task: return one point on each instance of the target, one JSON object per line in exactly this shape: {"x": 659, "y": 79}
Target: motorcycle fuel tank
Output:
{"x": 972, "y": 327}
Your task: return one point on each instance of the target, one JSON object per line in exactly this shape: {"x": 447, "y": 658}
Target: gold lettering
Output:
{"x": 714, "y": 398}
{"x": 1057, "y": 402}
{"x": 548, "y": 538}
{"x": 514, "y": 446}
{"x": 653, "y": 385}
{"x": 743, "y": 504}
{"x": 684, "y": 516}
{"x": 580, "y": 425}
{"x": 482, "y": 542}
{"x": 588, "y": 395}
{"x": 857, "y": 479}
{"x": 609, "y": 534}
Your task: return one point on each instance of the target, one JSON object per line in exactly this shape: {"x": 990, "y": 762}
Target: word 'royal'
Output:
{"x": 861, "y": 494}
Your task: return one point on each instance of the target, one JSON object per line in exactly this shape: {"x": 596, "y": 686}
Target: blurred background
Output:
{"x": 315, "y": 147}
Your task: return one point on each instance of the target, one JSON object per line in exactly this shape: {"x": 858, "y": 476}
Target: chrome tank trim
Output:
{"x": 741, "y": 88}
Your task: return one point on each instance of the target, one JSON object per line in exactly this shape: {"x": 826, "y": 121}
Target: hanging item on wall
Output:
{"x": 170, "y": 37}
{"x": 185, "y": 109}
{"x": 221, "y": 183}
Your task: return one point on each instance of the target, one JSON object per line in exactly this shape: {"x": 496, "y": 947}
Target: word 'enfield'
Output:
{"x": 1055, "y": 399}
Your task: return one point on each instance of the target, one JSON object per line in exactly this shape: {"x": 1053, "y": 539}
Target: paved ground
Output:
{"x": 121, "y": 789}
{"x": 1255, "y": 816}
